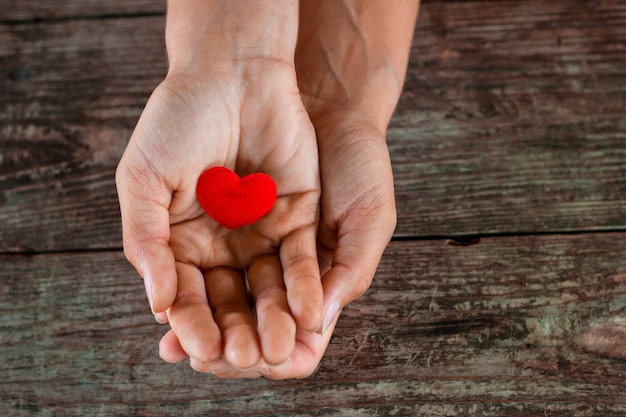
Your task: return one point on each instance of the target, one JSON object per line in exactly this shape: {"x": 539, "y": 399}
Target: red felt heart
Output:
{"x": 232, "y": 201}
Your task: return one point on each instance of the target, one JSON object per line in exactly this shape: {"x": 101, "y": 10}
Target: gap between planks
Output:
{"x": 453, "y": 239}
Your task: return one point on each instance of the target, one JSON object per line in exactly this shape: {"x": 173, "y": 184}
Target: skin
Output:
{"x": 279, "y": 96}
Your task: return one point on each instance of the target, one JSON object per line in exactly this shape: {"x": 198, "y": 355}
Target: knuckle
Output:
{"x": 301, "y": 264}
{"x": 208, "y": 354}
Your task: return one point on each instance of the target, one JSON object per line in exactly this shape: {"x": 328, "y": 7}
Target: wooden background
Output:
{"x": 511, "y": 128}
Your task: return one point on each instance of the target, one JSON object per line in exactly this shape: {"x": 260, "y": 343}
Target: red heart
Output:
{"x": 232, "y": 201}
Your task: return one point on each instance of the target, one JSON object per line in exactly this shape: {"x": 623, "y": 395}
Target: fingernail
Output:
{"x": 148, "y": 285}
{"x": 331, "y": 313}
{"x": 263, "y": 371}
{"x": 159, "y": 318}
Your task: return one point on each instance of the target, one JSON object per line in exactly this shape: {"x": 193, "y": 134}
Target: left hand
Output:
{"x": 187, "y": 126}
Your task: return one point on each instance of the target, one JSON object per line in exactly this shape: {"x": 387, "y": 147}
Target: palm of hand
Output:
{"x": 188, "y": 126}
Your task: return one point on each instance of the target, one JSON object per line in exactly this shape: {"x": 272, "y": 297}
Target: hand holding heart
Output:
{"x": 196, "y": 269}
{"x": 206, "y": 242}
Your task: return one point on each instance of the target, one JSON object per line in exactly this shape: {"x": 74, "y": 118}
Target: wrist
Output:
{"x": 352, "y": 57}
{"x": 348, "y": 128}
{"x": 222, "y": 35}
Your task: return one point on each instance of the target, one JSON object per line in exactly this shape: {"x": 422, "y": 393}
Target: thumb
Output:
{"x": 361, "y": 241}
{"x": 144, "y": 202}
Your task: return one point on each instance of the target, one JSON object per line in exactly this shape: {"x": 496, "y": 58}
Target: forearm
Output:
{"x": 214, "y": 34}
{"x": 352, "y": 55}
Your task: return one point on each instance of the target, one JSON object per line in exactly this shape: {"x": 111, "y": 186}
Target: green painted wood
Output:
{"x": 512, "y": 121}
{"x": 505, "y": 327}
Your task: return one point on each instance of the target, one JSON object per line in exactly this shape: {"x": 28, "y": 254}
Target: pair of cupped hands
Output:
{"x": 261, "y": 300}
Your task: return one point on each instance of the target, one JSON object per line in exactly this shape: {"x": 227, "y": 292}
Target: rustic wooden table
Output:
{"x": 511, "y": 129}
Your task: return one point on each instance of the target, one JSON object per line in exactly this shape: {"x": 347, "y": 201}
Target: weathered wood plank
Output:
{"x": 498, "y": 328}
{"x": 23, "y": 10}
{"x": 511, "y": 121}
{"x": 70, "y": 95}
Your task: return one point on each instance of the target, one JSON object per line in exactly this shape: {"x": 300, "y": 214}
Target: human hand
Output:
{"x": 350, "y": 63}
{"x": 241, "y": 110}
{"x": 358, "y": 218}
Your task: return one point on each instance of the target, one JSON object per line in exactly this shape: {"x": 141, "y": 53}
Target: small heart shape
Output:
{"x": 232, "y": 201}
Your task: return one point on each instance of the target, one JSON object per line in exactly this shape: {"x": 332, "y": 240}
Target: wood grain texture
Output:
{"x": 498, "y": 328}
{"x": 26, "y": 10}
{"x": 512, "y": 120}
{"x": 70, "y": 95}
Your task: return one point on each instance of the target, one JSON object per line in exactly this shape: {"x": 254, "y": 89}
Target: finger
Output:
{"x": 224, "y": 370}
{"x": 146, "y": 229}
{"x": 161, "y": 317}
{"x": 302, "y": 363}
{"x": 306, "y": 357}
{"x": 191, "y": 318}
{"x": 360, "y": 245}
{"x": 227, "y": 293}
{"x": 275, "y": 325}
{"x": 170, "y": 349}
{"x": 301, "y": 272}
